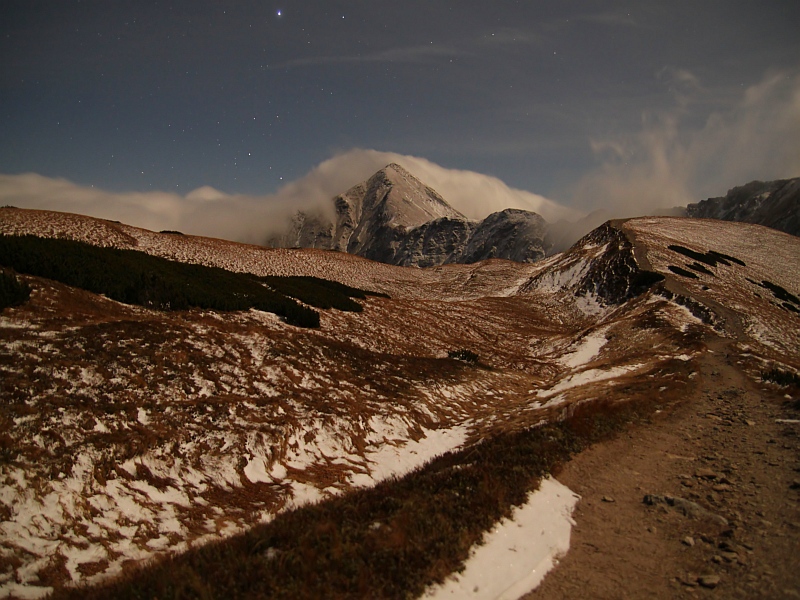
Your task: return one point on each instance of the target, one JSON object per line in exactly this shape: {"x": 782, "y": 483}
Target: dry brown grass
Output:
{"x": 390, "y": 541}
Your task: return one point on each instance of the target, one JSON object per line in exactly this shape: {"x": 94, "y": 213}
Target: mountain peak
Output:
{"x": 395, "y": 218}
{"x": 396, "y": 167}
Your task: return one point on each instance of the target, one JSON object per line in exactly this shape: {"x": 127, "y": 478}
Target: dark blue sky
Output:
{"x": 136, "y": 95}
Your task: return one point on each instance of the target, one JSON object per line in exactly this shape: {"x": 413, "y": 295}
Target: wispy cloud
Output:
{"x": 512, "y": 35}
{"x": 422, "y": 53}
{"x": 671, "y": 162}
{"x": 617, "y": 18}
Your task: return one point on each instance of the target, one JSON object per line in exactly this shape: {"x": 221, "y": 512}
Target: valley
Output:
{"x": 134, "y": 433}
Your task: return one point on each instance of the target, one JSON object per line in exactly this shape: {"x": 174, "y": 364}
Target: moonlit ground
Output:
{"x": 518, "y": 552}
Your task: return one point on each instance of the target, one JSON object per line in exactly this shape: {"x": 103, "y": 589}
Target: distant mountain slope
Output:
{"x": 396, "y": 219}
{"x": 773, "y": 204}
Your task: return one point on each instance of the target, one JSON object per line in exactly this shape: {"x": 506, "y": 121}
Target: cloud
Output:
{"x": 474, "y": 194}
{"x": 204, "y": 211}
{"x": 511, "y": 35}
{"x": 612, "y": 18}
{"x": 211, "y": 212}
{"x": 424, "y": 53}
{"x": 672, "y": 162}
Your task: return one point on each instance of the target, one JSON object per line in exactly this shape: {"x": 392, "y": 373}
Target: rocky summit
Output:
{"x": 396, "y": 219}
{"x": 773, "y": 204}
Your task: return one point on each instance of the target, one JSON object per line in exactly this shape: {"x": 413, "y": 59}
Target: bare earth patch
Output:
{"x": 729, "y": 449}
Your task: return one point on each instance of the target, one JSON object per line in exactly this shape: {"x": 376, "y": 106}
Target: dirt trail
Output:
{"x": 723, "y": 449}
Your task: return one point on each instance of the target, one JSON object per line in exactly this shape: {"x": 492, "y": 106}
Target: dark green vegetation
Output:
{"x": 781, "y": 377}
{"x": 13, "y": 292}
{"x": 701, "y": 269}
{"x": 390, "y": 541}
{"x": 720, "y": 257}
{"x": 710, "y": 258}
{"x": 780, "y": 293}
{"x": 644, "y": 280}
{"x": 320, "y": 292}
{"x": 789, "y": 301}
{"x": 137, "y": 278}
{"x": 466, "y": 356}
{"x": 682, "y": 272}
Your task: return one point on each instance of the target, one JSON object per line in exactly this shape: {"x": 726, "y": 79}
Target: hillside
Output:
{"x": 133, "y": 432}
{"x": 773, "y": 204}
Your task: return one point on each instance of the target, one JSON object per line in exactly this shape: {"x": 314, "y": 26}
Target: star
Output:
{"x": 279, "y": 12}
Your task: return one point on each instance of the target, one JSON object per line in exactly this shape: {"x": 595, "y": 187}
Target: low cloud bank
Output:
{"x": 204, "y": 211}
{"x": 671, "y": 163}
{"x": 211, "y": 212}
{"x": 474, "y": 194}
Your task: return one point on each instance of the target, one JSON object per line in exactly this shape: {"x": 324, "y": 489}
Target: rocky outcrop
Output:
{"x": 601, "y": 265}
{"x": 513, "y": 234}
{"x": 437, "y": 242}
{"x": 773, "y": 204}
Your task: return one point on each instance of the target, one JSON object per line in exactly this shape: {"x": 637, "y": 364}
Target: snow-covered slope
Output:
{"x": 130, "y": 432}
{"x": 746, "y": 276}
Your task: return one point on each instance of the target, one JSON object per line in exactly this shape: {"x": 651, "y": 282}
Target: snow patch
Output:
{"x": 256, "y": 471}
{"x": 588, "y": 349}
{"x": 585, "y": 377}
{"x": 517, "y": 552}
{"x": 390, "y": 460}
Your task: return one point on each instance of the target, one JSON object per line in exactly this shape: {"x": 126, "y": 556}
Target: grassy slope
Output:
{"x": 137, "y": 278}
{"x": 390, "y": 541}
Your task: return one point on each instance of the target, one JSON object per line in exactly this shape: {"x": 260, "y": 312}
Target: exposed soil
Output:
{"x": 725, "y": 449}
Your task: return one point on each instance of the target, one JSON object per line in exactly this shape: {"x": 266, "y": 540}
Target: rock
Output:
{"x": 608, "y": 499}
{"x": 686, "y": 507}
{"x": 729, "y": 556}
{"x": 727, "y": 546}
{"x": 705, "y": 474}
{"x": 709, "y": 581}
{"x": 688, "y": 541}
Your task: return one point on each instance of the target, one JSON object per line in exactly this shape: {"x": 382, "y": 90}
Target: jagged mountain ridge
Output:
{"x": 773, "y": 204}
{"x": 396, "y": 219}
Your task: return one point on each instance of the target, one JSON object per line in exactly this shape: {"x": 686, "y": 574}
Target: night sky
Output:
{"x": 569, "y": 100}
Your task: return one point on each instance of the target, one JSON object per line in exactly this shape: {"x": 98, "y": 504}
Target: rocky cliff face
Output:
{"x": 513, "y": 234}
{"x": 394, "y": 218}
{"x": 773, "y": 204}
